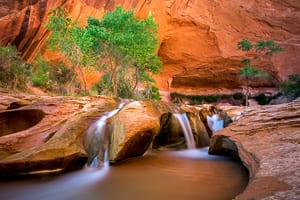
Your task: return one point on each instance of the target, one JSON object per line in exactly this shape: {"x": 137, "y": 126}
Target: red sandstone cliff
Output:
{"x": 198, "y": 38}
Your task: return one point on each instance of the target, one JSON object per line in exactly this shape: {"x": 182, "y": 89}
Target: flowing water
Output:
{"x": 215, "y": 122}
{"x": 96, "y": 139}
{"x": 162, "y": 175}
{"x": 186, "y": 128}
{"x": 158, "y": 175}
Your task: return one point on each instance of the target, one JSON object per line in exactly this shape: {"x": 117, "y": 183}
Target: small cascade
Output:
{"x": 96, "y": 140}
{"x": 187, "y": 130}
{"x": 215, "y": 122}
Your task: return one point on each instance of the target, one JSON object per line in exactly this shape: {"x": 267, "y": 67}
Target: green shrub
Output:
{"x": 291, "y": 87}
{"x": 104, "y": 87}
{"x": 13, "y": 72}
{"x": 155, "y": 93}
{"x": 151, "y": 92}
{"x": 40, "y": 74}
{"x": 200, "y": 99}
{"x": 238, "y": 96}
{"x": 60, "y": 73}
{"x": 52, "y": 77}
{"x": 211, "y": 98}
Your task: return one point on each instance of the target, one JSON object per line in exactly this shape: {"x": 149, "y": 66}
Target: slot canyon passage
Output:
{"x": 151, "y": 149}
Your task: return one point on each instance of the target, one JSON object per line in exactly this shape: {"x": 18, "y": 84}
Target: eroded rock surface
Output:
{"x": 55, "y": 143}
{"x": 267, "y": 139}
{"x": 69, "y": 132}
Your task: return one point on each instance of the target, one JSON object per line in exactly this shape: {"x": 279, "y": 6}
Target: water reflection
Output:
{"x": 177, "y": 175}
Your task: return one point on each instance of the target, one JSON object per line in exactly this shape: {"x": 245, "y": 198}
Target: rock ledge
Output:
{"x": 267, "y": 139}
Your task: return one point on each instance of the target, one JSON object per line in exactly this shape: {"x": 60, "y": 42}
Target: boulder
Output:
{"x": 267, "y": 140}
{"x": 133, "y": 130}
{"x": 199, "y": 130}
{"x": 171, "y": 133}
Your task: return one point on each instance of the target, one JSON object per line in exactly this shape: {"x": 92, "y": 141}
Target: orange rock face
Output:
{"x": 198, "y": 38}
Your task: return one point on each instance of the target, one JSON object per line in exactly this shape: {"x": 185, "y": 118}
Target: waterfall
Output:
{"x": 187, "y": 130}
{"x": 215, "y": 122}
{"x": 96, "y": 140}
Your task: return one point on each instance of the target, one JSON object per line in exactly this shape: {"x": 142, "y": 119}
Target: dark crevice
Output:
{"x": 24, "y": 28}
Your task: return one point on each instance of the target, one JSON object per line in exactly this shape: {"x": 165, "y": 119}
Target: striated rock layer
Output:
{"x": 198, "y": 38}
{"x": 267, "y": 139}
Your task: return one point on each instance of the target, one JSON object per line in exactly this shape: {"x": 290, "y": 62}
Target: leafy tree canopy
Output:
{"x": 127, "y": 41}
{"x": 115, "y": 44}
{"x": 269, "y": 47}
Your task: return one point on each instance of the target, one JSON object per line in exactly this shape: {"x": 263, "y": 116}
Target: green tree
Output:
{"x": 13, "y": 72}
{"x": 125, "y": 41}
{"x": 249, "y": 72}
{"x": 66, "y": 36}
{"x": 122, "y": 46}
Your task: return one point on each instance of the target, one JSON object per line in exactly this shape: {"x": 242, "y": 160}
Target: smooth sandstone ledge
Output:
{"x": 267, "y": 139}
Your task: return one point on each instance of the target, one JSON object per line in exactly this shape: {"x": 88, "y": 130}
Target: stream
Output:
{"x": 158, "y": 175}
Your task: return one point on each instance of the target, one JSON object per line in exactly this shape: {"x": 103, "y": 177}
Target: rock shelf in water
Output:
{"x": 267, "y": 139}
{"x": 58, "y": 142}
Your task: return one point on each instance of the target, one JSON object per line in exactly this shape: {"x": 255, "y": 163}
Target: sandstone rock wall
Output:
{"x": 198, "y": 38}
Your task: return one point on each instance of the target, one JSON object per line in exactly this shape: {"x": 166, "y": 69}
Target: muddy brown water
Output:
{"x": 161, "y": 175}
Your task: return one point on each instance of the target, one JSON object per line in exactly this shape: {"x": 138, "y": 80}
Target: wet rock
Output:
{"x": 54, "y": 143}
{"x": 198, "y": 129}
{"x": 170, "y": 134}
{"x": 133, "y": 130}
{"x": 267, "y": 139}
{"x": 59, "y": 141}
{"x": 210, "y": 111}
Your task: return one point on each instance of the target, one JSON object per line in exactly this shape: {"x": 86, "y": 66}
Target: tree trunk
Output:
{"x": 135, "y": 87}
{"x": 83, "y": 78}
{"x": 15, "y": 83}
{"x": 247, "y": 92}
{"x": 71, "y": 84}
{"x": 113, "y": 77}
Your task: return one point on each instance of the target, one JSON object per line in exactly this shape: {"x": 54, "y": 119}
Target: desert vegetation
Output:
{"x": 119, "y": 46}
{"x": 14, "y": 73}
{"x": 249, "y": 72}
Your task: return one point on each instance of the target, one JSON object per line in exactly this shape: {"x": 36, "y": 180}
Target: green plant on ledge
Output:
{"x": 291, "y": 87}
{"x": 200, "y": 99}
{"x": 249, "y": 72}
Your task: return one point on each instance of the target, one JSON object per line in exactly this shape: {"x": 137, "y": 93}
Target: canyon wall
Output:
{"x": 198, "y": 38}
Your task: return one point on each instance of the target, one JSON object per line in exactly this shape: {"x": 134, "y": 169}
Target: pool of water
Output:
{"x": 160, "y": 175}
